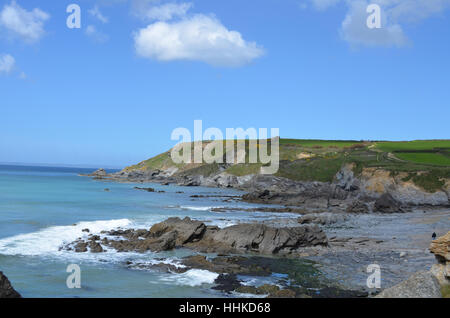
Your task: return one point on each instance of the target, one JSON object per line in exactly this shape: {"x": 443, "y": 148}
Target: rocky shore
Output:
{"x": 342, "y": 226}
{"x": 6, "y": 289}
{"x": 375, "y": 190}
{"x": 186, "y": 233}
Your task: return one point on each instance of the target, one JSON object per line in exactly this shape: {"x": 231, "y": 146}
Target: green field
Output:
{"x": 428, "y": 152}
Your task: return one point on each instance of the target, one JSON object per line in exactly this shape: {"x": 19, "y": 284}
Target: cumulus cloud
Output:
{"x": 28, "y": 25}
{"x": 196, "y": 38}
{"x": 95, "y": 12}
{"x": 7, "y": 63}
{"x": 395, "y": 14}
{"x": 95, "y": 34}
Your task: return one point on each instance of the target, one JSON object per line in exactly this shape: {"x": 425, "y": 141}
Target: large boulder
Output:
{"x": 187, "y": 230}
{"x": 419, "y": 285}
{"x": 387, "y": 204}
{"x": 6, "y": 290}
{"x": 268, "y": 240}
{"x": 441, "y": 250}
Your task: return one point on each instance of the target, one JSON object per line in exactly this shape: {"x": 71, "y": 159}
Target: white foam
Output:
{"x": 193, "y": 277}
{"x": 49, "y": 240}
{"x": 197, "y": 208}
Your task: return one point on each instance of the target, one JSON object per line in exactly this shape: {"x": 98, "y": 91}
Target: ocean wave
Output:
{"x": 49, "y": 240}
{"x": 193, "y": 277}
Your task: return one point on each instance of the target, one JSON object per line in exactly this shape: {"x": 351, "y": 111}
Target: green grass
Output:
{"x": 392, "y": 146}
{"x": 311, "y": 143}
{"x": 427, "y": 152}
{"x": 244, "y": 169}
{"x": 425, "y": 158}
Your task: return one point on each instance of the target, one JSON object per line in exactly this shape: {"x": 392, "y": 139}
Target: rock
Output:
{"x": 322, "y": 218}
{"x": 187, "y": 230}
{"x": 176, "y": 232}
{"x": 85, "y": 230}
{"x": 145, "y": 189}
{"x": 264, "y": 239}
{"x": 358, "y": 207}
{"x": 99, "y": 173}
{"x": 419, "y": 285}
{"x": 227, "y": 283}
{"x": 81, "y": 247}
{"x": 95, "y": 247}
{"x": 283, "y": 293}
{"x": 6, "y": 289}
{"x": 440, "y": 247}
{"x": 387, "y": 204}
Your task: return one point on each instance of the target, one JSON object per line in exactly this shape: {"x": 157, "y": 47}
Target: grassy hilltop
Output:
{"x": 425, "y": 162}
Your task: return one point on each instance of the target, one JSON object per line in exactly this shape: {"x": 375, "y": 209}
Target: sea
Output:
{"x": 44, "y": 208}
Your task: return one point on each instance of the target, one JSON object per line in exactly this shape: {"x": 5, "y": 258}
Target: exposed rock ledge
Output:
{"x": 176, "y": 232}
{"x": 6, "y": 290}
{"x": 441, "y": 250}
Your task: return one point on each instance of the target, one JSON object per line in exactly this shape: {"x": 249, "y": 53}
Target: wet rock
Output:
{"x": 95, "y": 247}
{"x": 227, "y": 283}
{"x": 85, "y": 230}
{"x": 387, "y": 204}
{"x": 81, "y": 247}
{"x": 145, "y": 189}
{"x": 419, "y": 285}
{"x": 285, "y": 293}
{"x": 6, "y": 289}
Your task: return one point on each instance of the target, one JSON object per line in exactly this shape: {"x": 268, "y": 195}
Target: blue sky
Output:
{"x": 111, "y": 92}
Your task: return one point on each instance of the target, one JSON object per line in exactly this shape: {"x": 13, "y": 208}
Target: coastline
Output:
{"x": 356, "y": 239}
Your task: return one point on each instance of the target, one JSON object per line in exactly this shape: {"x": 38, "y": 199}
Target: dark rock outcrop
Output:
{"x": 387, "y": 204}
{"x": 176, "y": 232}
{"x": 6, "y": 289}
{"x": 358, "y": 207}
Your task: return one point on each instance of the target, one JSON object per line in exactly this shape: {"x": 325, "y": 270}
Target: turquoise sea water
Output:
{"x": 41, "y": 208}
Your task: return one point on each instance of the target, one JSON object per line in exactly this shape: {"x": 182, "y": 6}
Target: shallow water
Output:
{"x": 41, "y": 208}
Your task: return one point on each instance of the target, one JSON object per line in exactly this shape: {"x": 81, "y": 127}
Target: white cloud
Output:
{"x": 95, "y": 12}
{"x": 28, "y": 25}
{"x": 166, "y": 11}
{"x": 7, "y": 63}
{"x": 395, "y": 14}
{"x": 96, "y": 35}
{"x": 199, "y": 38}
{"x": 355, "y": 31}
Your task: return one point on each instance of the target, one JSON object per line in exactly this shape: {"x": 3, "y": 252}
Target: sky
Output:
{"x": 111, "y": 92}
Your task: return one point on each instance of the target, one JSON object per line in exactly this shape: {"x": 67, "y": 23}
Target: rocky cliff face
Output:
{"x": 6, "y": 290}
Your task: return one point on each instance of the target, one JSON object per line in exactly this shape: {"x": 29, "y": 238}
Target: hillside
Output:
{"x": 426, "y": 163}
